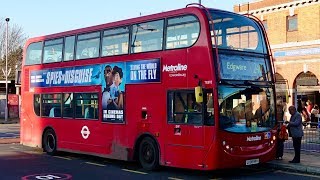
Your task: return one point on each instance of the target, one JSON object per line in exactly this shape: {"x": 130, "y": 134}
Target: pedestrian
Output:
{"x": 282, "y": 137}
{"x": 314, "y": 113}
{"x": 295, "y": 128}
{"x": 309, "y": 106}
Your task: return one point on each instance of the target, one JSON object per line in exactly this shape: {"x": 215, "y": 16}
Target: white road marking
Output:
{"x": 138, "y": 172}
{"x": 60, "y": 157}
{"x": 96, "y": 164}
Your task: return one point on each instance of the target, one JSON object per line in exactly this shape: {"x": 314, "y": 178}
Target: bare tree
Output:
{"x": 16, "y": 40}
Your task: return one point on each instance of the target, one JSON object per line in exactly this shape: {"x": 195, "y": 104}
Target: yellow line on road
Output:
{"x": 300, "y": 174}
{"x": 60, "y": 157}
{"x": 138, "y": 172}
{"x": 96, "y": 164}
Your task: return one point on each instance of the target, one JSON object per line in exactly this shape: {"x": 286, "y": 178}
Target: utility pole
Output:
{"x": 199, "y": 1}
{"x": 6, "y": 72}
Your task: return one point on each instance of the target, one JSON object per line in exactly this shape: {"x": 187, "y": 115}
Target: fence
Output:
{"x": 310, "y": 140}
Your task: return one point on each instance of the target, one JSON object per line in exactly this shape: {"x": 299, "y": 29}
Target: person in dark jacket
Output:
{"x": 295, "y": 128}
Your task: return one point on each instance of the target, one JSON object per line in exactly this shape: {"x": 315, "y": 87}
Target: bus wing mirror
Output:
{"x": 199, "y": 94}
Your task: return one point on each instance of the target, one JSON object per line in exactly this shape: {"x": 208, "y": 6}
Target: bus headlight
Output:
{"x": 223, "y": 143}
{"x": 274, "y": 138}
{"x": 227, "y": 147}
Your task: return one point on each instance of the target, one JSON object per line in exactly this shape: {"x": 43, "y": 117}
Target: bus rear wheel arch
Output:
{"x": 49, "y": 142}
{"x": 148, "y": 153}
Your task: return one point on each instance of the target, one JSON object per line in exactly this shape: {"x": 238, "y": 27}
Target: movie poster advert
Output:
{"x": 116, "y": 75}
{"x": 113, "y": 89}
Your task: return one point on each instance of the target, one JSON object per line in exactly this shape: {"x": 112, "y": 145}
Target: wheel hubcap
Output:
{"x": 148, "y": 153}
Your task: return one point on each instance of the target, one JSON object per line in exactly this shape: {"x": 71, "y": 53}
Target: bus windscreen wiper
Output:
{"x": 257, "y": 84}
{"x": 229, "y": 83}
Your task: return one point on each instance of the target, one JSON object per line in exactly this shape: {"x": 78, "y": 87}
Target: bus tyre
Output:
{"x": 50, "y": 142}
{"x": 149, "y": 154}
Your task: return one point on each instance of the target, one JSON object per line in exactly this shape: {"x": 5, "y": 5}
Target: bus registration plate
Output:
{"x": 252, "y": 161}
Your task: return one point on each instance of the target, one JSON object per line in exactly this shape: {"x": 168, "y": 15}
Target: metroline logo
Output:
{"x": 254, "y": 138}
{"x": 174, "y": 68}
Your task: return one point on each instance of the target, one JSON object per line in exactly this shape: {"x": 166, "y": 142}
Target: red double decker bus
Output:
{"x": 189, "y": 88}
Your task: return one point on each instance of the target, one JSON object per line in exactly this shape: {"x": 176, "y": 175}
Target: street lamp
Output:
{"x": 6, "y": 72}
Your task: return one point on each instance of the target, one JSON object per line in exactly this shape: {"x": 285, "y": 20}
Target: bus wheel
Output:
{"x": 149, "y": 154}
{"x": 50, "y": 142}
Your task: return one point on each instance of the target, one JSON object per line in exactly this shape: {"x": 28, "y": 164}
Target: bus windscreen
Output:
{"x": 236, "y": 32}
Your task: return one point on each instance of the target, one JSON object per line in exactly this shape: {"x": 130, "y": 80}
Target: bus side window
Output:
{"x": 69, "y": 48}
{"x": 183, "y": 108}
{"x": 50, "y": 101}
{"x": 115, "y": 41}
{"x": 86, "y": 105}
{"x": 182, "y": 32}
{"x": 36, "y": 104}
{"x": 52, "y": 51}
{"x": 209, "y": 114}
{"x": 147, "y": 36}
{"x": 34, "y": 53}
{"x": 88, "y": 45}
{"x": 68, "y": 105}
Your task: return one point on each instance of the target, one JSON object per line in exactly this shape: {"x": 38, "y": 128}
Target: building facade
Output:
{"x": 293, "y": 28}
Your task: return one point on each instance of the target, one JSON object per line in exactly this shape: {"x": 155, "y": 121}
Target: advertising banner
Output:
{"x": 73, "y": 76}
{"x": 111, "y": 76}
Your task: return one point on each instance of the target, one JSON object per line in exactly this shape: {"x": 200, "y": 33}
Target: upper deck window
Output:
{"x": 237, "y": 32}
{"x": 182, "y": 32}
{"x": 34, "y": 52}
{"x": 115, "y": 41}
{"x": 53, "y": 50}
{"x": 69, "y": 48}
{"x": 88, "y": 45}
{"x": 147, "y": 36}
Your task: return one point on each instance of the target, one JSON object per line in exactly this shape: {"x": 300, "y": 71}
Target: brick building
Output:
{"x": 293, "y": 28}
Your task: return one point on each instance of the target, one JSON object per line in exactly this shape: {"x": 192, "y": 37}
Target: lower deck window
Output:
{"x": 51, "y": 105}
{"x": 67, "y": 105}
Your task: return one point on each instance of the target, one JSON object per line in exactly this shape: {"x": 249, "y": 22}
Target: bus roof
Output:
{"x": 187, "y": 10}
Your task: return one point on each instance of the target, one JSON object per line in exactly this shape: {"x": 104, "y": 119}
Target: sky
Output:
{"x": 41, "y": 17}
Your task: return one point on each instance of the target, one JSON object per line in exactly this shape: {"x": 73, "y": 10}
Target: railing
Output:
{"x": 310, "y": 140}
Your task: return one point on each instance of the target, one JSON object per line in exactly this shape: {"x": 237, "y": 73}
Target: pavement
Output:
{"x": 309, "y": 162}
{"x": 9, "y": 130}
{"x": 10, "y": 121}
